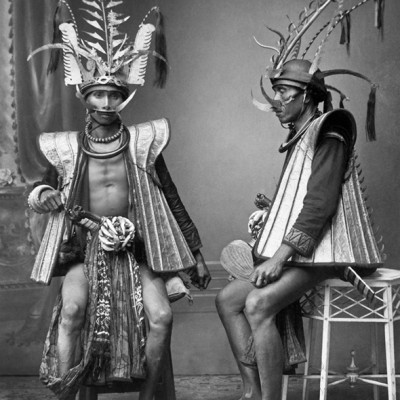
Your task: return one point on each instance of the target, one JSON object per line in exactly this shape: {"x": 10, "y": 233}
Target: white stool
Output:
{"x": 337, "y": 301}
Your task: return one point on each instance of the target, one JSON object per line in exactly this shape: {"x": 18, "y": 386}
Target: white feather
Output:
{"x": 137, "y": 68}
{"x": 72, "y": 72}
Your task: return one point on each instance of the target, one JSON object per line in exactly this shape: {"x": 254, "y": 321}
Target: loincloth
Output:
{"x": 115, "y": 353}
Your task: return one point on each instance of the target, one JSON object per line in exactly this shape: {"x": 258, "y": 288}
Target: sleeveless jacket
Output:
{"x": 166, "y": 248}
{"x": 348, "y": 238}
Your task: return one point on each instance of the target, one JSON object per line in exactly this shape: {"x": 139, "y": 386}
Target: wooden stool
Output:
{"x": 165, "y": 388}
{"x": 337, "y": 301}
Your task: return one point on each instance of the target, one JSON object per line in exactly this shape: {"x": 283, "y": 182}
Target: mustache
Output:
{"x": 280, "y": 106}
{"x": 96, "y": 110}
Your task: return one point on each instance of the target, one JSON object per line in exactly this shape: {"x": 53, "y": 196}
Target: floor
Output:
{"x": 215, "y": 387}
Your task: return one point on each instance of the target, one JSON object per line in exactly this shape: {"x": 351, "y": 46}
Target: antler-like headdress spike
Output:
{"x": 339, "y": 16}
{"x": 307, "y": 25}
{"x": 305, "y": 74}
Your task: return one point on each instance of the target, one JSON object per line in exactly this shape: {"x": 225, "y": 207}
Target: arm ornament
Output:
{"x": 34, "y": 198}
{"x": 300, "y": 241}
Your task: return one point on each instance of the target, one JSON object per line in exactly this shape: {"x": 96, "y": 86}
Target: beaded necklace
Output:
{"x": 109, "y": 139}
{"x": 85, "y": 146}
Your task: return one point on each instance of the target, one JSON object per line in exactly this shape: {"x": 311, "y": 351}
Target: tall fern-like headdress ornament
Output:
{"x": 289, "y": 65}
{"x": 108, "y": 57}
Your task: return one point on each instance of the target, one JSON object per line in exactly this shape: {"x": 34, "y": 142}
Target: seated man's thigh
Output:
{"x": 155, "y": 298}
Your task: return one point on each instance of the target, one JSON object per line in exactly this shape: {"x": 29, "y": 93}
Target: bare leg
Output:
{"x": 159, "y": 314}
{"x": 74, "y": 298}
{"x": 230, "y": 304}
{"x": 262, "y": 305}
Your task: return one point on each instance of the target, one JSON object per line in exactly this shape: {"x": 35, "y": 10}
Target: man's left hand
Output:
{"x": 199, "y": 275}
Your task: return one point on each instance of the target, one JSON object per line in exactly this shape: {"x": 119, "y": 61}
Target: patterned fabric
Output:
{"x": 123, "y": 356}
{"x": 303, "y": 243}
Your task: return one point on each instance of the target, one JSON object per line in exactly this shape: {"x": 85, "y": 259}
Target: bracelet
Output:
{"x": 34, "y": 198}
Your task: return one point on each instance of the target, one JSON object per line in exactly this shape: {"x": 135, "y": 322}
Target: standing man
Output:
{"x": 118, "y": 230}
{"x": 316, "y": 227}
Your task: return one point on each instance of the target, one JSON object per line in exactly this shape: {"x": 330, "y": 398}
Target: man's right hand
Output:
{"x": 256, "y": 219}
{"x": 51, "y": 200}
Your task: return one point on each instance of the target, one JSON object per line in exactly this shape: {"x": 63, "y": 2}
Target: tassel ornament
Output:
{"x": 370, "y": 124}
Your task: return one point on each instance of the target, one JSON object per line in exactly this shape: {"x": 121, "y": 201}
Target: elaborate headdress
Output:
{"x": 111, "y": 58}
{"x": 289, "y": 65}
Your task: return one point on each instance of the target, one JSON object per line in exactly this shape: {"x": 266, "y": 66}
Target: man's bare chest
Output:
{"x": 108, "y": 172}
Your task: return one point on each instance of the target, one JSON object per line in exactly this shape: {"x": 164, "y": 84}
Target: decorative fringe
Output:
{"x": 161, "y": 49}
{"x": 370, "y": 123}
{"x": 345, "y": 34}
{"x": 56, "y": 54}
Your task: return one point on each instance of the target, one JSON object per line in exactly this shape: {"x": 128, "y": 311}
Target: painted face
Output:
{"x": 291, "y": 102}
{"x": 103, "y": 103}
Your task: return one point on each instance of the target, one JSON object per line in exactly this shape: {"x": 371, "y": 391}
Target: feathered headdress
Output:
{"x": 108, "y": 57}
{"x": 289, "y": 49}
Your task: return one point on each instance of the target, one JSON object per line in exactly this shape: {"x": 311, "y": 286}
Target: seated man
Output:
{"x": 118, "y": 230}
{"x": 315, "y": 228}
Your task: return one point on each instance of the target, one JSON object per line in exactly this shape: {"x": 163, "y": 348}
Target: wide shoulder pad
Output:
{"x": 338, "y": 124}
{"x": 148, "y": 140}
{"x": 60, "y": 149}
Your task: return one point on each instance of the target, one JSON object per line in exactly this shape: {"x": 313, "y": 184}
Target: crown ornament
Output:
{"x": 107, "y": 56}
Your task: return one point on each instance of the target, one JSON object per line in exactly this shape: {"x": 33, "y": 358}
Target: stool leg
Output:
{"x": 326, "y": 335}
{"x": 375, "y": 358}
{"x": 285, "y": 385}
{"x": 309, "y": 341}
{"x": 389, "y": 344}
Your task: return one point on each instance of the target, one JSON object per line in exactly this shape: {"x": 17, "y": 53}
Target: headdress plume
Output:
{"x": 106, "y": 56}
{"x": 289, "y": 49}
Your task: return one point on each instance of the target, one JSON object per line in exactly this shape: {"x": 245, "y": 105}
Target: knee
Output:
{"x": 161, "y": 319}
{"x": 223, "y": 301}
{"x": 72, "y": 316}
{"x": 259, "y": 308}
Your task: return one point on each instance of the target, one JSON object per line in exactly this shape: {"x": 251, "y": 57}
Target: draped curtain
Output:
{"x": 7, "y": 105}
{"x": 43, "y": 102}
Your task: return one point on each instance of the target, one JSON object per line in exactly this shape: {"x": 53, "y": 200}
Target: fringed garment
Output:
{"x": 113, "y": 338}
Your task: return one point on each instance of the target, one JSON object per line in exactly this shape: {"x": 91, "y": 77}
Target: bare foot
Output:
{"x": 250, "y": 395}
